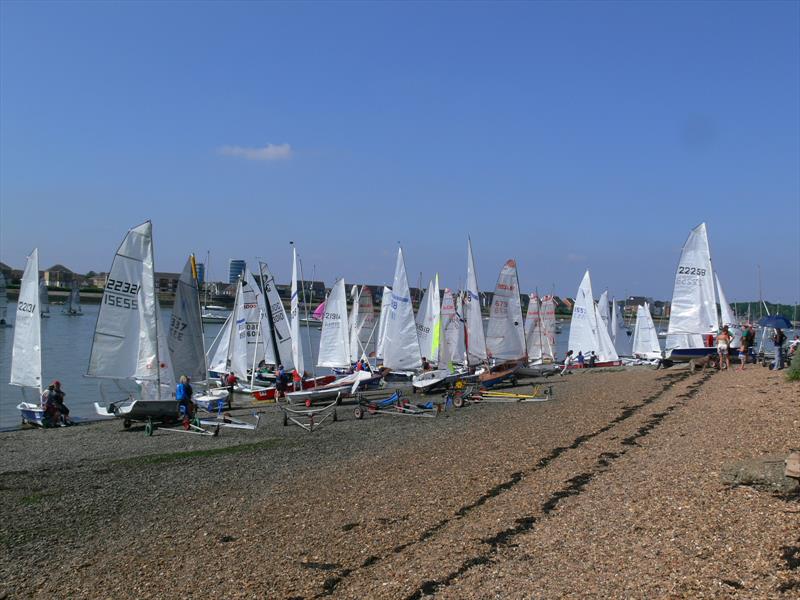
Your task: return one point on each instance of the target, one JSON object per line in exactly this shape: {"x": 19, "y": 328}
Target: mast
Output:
{"x": 200, "y": 308}
{"x": 156, "y": 312}
{"x": 308, "y": 327}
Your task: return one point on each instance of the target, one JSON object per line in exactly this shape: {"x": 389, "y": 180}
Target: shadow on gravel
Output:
{"x": 574, "y": 486}
{"x": 523, "y": 524}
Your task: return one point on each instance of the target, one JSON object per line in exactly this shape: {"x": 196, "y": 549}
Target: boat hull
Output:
{"x": 140, "y": 410}
{"x": 687, "y": 354}
{"x": 33, "y": 414}
{"x": 269, "y": 393}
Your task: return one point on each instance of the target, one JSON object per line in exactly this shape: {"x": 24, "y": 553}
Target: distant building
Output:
{"x": 166, "y": 282}
{"x": 59, "y": 276}
{"x": 98, "y": 280}
{"x": 235, "y": 269}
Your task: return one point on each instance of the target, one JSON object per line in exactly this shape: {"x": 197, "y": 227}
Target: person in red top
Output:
{"x": 230, "y": 381}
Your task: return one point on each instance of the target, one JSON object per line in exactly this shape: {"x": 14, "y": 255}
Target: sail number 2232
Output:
{"x": 121, "y": 293}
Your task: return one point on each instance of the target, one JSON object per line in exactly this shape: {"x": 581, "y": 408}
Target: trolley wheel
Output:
{"x": 335, "y": 416}
{"x": 126, "y": 424}
{"x": 285, "y": 419}
{"x": 458, "y": 401}
{"x": 358, "y": 412}
{"x": 148, "y": 428}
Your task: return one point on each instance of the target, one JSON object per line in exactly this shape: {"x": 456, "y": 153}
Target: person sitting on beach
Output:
{"x": 580, "y": 359}
{"x": 58, "y": 400}
{"x": 567, "y": 362}
{"x": 793, "y": 346}
{"x": 51, "y": 412}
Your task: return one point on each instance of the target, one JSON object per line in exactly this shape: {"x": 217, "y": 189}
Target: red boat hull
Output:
{"x": 269, "y": 393}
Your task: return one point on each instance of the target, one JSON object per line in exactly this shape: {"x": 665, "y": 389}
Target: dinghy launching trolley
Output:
{"x": 309, "y": 418}
{"x": 396, "y": 405}
{"x": 538, "y": 393}
{"x": 186, "y": 425}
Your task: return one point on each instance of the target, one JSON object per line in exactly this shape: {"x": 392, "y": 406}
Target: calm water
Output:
{"x": 66, "y": 343}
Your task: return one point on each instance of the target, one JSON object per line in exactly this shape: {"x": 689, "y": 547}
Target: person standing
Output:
{"x": 58, "y": 400}
{"x": 580, "y": 358}
{"x": 567, "y": 362}
{"x": 230, "y": 382}
{"x": 778, "y": 339}
{"x": 723, "y": 348}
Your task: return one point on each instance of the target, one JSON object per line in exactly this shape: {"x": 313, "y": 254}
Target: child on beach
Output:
{"x": 567, "y": 362}
{"x": 742, "y": 357}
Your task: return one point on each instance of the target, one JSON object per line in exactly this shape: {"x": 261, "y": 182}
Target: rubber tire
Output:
{"x": 148, "y": 429}
{"x": 126, "y": 424}
{"x": 285, "y": 419}
{"x": 335, "y": 416}
{"x": 358, "y": 412}
{"x": 458, "y": 401}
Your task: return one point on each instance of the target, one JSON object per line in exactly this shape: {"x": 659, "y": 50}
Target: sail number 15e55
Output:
{"x": 121, "y": 293}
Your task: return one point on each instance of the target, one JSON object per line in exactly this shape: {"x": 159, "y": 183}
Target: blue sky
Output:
{"x": 565, "y": 135}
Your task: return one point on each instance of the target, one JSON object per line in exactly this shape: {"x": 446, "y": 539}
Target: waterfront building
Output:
{"x": 235, "y": 269}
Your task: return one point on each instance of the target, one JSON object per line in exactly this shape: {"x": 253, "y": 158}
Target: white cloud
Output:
{"x": 268, "y": 152}
{"x": 571, "y": 257}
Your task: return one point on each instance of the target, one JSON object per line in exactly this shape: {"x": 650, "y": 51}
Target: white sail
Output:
{"x": 727, "y": 317}
{"x": 44, "y": 298}
{"x": 250, "y": 324}
{"x": 125, "y": 345}
{"x": 539, "y": 345}
{"x": 613, "y": 326}
{"x": 475, "y": 340}
{"x": 26, "y": 354}
{"x": 694, "y": 308}
{"x": 297, "y": 346}
{"x": 185, "y": 335}
{"x": 645, "y": 336}
{"x": 401, "y": 346}
{"x": 355, "y": 350}
{"x": 334, "y": 342}
{"x": 602, "y": 310}
{"x": 278, "y": 335}
{"x": 363, "y": 327}
{"x": 218, "y": 353}
{"x": 583, "y": 328}
{"x": 453, "y": 330}
{"x": 605, "y": 347}
{"x": 505, "y": 334}
{"x": 428, "y": 322}
{"x": 3, "y": 299}
{"x": 386, "y": 301}
{"x": 75, "y": 299}
{"x": 547, "y": 313}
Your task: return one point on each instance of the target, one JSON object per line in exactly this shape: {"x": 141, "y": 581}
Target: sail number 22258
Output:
{"x": 691, "y": 271}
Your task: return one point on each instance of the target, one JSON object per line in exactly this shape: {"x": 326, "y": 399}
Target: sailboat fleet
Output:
{"x": 443, "y": 342}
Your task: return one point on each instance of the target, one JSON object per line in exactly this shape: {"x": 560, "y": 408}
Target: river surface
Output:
{"x": 66, "y": 343}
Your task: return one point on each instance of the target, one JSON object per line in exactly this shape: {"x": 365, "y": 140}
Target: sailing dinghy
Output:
{"x": 693, "y": 313}
{"x": 44, "y": 300}
{"x": 185, "y": 340}
{"x": 645, "y": 338}
{"x": 26, "y": 354}
{"x": 72, "y": 307}
{"x": 3, "y": 302}
{"x": 588, "y": 333}
{"x": 129, "y": 341}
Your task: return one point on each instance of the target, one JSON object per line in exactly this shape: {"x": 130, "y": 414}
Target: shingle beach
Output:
{"x": 628, "y": 484}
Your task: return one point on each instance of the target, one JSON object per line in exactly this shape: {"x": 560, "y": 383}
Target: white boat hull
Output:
{"x": 32, "y": 414}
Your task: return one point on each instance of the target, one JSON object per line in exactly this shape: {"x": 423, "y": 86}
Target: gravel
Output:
{"x": 614, "y": 488}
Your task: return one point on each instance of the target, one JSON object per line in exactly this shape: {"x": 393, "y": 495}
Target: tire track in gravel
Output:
{"x": 575, "y": 485}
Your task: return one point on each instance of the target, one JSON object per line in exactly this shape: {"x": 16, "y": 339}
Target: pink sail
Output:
{"x": 319, "y": 312}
